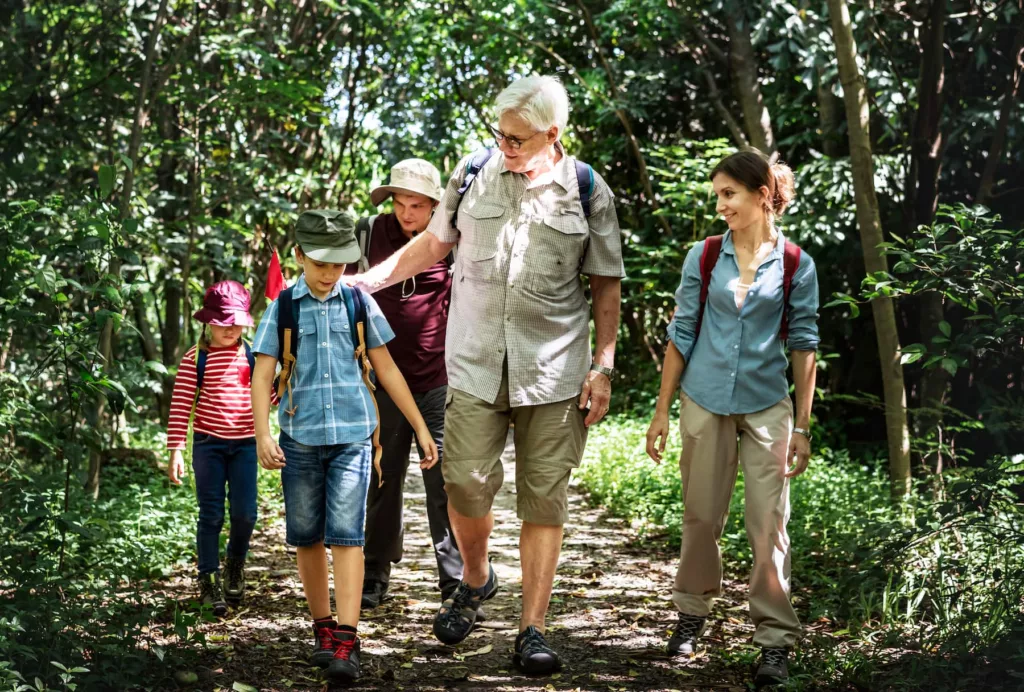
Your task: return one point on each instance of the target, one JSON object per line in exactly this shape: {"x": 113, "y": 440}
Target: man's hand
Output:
{"x": 270, "y": 454}
{"x": 799, "y": 447}
{"x": 657, "y": 436}
{"x": 176, "y": 467}
{"x": 429, "y": 447}
{"x": 597, "y": 390}
{"x": 357, "y": 281}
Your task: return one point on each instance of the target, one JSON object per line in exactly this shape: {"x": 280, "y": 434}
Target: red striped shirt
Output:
{"x": 224, "y": 409}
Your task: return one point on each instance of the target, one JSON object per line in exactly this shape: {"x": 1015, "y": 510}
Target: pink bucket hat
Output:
{"x": 225, "y": 304}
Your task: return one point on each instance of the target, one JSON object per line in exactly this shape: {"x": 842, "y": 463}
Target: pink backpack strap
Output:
{"x": 791, "y": 260}
{"x": 708, "y": 260}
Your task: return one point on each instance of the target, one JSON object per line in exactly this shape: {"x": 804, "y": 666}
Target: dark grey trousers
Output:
{"x": 385, "y": 504}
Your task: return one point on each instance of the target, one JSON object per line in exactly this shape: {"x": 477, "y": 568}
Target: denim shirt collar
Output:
{"x": 302, "y": 289}
{"x": 776, "y": 253}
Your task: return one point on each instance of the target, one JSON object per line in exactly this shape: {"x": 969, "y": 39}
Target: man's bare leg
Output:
{"x": 471, "y": 535}
{"x": 539, "y": 548}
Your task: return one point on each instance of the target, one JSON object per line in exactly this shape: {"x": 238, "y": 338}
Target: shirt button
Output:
{"x": 734, "y": 346}
{"x": 326, "y": 375}
{"x": 323, "y": 343}
{"x": 732, "y": 374}
{"x": 323, "y": 312}
{"x": 328, "y": 405}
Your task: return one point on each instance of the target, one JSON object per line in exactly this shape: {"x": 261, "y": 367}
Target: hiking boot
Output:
{"x": 773, "y": 668}
{"x": 323, "y": 642}
{"x": 373, "y": 593}
{"x": 458, "y": 614}
{"x": 533, "y": 655}
{"x": 211, "y": 595}
{"x": 234, "y": 579}
{"x": 345, "y": 663}
{"x": 684, "y": 639}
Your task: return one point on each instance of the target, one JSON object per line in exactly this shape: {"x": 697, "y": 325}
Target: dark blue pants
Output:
{"x": 216, "y": 462}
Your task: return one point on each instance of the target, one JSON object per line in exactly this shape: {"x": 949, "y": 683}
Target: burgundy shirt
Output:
{"x": 420, "y": 319}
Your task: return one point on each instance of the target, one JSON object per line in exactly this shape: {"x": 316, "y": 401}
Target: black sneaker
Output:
{"x": 211, "y": 595}
{"x": 533, "y": 655}
{"x": 345, "y": 663}
{"x": 323, "y": 642}
{"x": 234, "y": 579}
{"x": 373, "y": 593}
{"x": 684, "y": 639}
{"x": 458, "y": 614}
{"x": 773, "y": 668}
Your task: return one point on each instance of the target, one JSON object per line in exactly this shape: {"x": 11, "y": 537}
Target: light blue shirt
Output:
{"x": 737, "y": 364}
{"x": 333, "y": 404}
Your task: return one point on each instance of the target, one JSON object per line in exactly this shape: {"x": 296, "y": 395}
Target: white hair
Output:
{"x": 540, "y": 100}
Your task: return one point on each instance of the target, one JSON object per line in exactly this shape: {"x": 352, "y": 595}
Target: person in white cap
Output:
{"x": 418, "y": 311}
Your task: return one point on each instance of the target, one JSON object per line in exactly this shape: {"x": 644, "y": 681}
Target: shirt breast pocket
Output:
{"x": 341, "y": 333}
{"x": 556, "y": 253}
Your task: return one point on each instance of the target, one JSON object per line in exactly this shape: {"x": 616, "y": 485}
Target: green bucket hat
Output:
{"x": 327, "y": 235}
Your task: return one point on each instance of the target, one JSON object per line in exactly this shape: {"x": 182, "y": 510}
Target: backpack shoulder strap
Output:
{"x": 475, "y": 165}
{"x": 287, "y": 318}
{"x": 790, "y": 263}
{"x": 287, "y": 344}
{"x": 201, "y": 356}
{"x": 355, "y": 303}
{"x": 364, "y": 231}
{"x": 251, "y": 357}
{"x": 708, "y": 260}
{"x": 585, "y": 182}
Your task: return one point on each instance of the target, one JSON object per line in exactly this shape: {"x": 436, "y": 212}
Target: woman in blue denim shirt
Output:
{"x": 735, "y": 406}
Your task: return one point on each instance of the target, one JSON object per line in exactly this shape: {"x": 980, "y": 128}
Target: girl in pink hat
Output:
{"x": 212, "y": 392}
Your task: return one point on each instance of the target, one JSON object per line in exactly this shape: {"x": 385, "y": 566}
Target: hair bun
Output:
{"x": 785, "y": 185}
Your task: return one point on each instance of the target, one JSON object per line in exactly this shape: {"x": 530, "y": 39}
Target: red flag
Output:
{"x": 275, "y": 279}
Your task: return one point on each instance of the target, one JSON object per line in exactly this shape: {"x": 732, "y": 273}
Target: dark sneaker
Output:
{"x": 210, "y": 594}
{"x": 688, "y": 631}
{"x": 234, "y": 579}
{"x": 345, "y": 663}
{"x": 458, "y": 614}
{"x": 533, "y": 655}
{"x": 773, "y": 668}
{"x": 373, "y": 593}
{"x": 323, "y": 642}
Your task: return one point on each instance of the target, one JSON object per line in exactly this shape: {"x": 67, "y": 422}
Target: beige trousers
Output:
{"x": 708, "y": 466}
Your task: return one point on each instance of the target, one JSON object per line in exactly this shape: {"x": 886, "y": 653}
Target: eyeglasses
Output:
{"x": 513, "y": 142}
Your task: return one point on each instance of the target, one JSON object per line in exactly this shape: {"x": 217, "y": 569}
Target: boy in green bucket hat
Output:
{"x": 328, "y": 423}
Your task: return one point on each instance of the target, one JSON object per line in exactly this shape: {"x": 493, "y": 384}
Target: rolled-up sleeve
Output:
{"x": 379, "y": 331}
{"x": 441, "y": 224}
{"x": 803, "y": 307}
{"x": 604, "y": 249}
{"x": 682, "y": 330}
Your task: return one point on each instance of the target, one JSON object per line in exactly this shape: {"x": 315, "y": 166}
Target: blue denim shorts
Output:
{"x": 325, "y": 492}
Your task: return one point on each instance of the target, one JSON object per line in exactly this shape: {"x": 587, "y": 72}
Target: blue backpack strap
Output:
{"x": 585, "y": 182}
{"x": 476, "y": 163}
{"x": 251, "y": 357}
{"x": 201, "y": 355}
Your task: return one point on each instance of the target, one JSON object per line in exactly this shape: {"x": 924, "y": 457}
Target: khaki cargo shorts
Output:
{"x": 549, "y": 441}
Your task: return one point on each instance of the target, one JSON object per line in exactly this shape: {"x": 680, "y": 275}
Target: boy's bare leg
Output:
{"x": 471, "y": 534}
{"x": 348, "y": 582}
{"x": 539, "y": 548}
{"x": 312, "y": 561}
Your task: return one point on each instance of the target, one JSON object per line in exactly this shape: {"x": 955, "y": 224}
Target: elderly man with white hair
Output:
{"x": 528, "y": 220}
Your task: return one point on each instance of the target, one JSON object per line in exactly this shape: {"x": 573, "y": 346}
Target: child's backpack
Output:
{"x": 708, "y": 260}
{"x": 287, "y": 321}
{"x": 201, "y": 356}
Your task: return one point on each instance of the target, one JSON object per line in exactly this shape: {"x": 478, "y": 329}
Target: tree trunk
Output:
{"x": 996, "y": 150}
{"x": 828, "y": 116}
{"x": 927, "y": 147}
{"x": 106, "y": 341}
{"x": 743, "y": 64}
{"x": 857, "y": 116}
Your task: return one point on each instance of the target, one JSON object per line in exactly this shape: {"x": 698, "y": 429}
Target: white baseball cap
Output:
{"x": 411, "y": 176}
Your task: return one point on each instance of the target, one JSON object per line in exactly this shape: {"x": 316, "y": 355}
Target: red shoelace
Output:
{"x": 344, "y": 648}
{"x": 326, "y": 635}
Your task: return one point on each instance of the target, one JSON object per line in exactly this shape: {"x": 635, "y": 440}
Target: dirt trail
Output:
{"x": 609, "y": 617}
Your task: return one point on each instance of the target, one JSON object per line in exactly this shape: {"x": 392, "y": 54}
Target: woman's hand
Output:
{"x": 176, "y": 467}
{"x": 657, "y": 436}
{"x": 799, "y": 447}
{"x": 429, "y": 448}
{"x": 271, "y": 455}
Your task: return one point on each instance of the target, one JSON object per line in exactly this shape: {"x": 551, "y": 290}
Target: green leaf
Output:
{"x": 242, "y": 687}
{"x": 112, "y": 295}
{"x": 949, "y": 365}
{"x": 156, "y": 366}
{"x": 127, "y": 162}
{"x": 130, "y": 226}
{"x": 908, "y": 358}
{"x": 945, "y": 328}
{"x": 106, "y": 180}
{"x": 46, "y": 279}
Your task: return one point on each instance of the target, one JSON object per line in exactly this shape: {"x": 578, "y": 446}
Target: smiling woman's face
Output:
{"x": 738, "y": 205}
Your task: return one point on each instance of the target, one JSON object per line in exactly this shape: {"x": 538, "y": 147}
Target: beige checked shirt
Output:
{"x": 517, "y": 292}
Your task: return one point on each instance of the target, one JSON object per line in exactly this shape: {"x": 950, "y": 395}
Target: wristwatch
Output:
{"x": 607, "y": 372}
{"x": 803, "y": 431}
